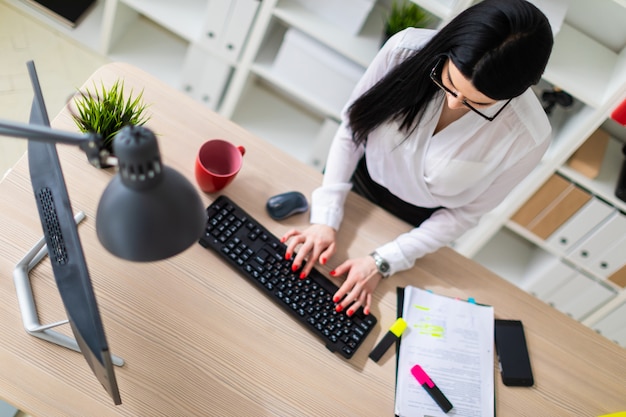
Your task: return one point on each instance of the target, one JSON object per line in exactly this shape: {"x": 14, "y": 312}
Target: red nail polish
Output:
{"x": 366, "y": 310}
{"x": 338, "y": 308}
{"x": 282, "y": 240}
{"x": 302, "y": 275}
{"x": 332, "y": 273}
{"x": 294, "y": 267}
{"x": 336, "y": 299}
{"x": 287, "y": 256}
{"x": 350, "y": 313}
{"x": 323, "y": 261}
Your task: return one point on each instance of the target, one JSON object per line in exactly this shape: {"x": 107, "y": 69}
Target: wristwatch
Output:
{"x": 381, "y": 264}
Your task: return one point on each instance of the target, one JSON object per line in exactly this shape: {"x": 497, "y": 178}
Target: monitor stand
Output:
{"x": 26, "y": 299}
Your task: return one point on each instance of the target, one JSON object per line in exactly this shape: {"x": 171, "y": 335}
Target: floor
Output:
{"x": 62, "y": 65}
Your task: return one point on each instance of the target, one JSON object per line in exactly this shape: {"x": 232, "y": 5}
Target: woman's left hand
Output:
{"x": 361, "y": 281}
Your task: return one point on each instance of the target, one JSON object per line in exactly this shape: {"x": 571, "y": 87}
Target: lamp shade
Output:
{"x": 148, "y": 212}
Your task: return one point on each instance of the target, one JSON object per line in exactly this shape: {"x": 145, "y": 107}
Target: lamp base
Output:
{"x": 26, "y": 300}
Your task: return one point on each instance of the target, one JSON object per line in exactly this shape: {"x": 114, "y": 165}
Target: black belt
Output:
{"x": 363, "y": 185}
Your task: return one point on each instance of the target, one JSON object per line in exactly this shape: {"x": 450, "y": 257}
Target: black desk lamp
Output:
{"x": 147, "y": 212}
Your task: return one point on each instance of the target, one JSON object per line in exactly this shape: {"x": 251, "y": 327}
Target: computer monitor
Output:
{"x": 65, "y": 250}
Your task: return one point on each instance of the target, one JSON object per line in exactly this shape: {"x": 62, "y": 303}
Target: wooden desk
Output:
{"x": 199, "y": 340}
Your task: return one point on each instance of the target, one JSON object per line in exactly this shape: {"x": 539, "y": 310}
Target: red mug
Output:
{"x": 217, "y": 164}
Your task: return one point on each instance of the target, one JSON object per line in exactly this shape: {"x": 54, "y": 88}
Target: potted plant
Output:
{"x": 106, "y": 111}
{"x": 404, "y": 14}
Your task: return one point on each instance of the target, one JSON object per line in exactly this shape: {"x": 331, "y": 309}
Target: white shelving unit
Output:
{"x": 153, "y": 35}
{"x": 285, "y": 100}
{"x": 147, "y": 46}
{"x": 176, "y": 40}
{"x": 263, "y": 108}
{"x": 360, "y": 48}
{"x": 185, "y": 19}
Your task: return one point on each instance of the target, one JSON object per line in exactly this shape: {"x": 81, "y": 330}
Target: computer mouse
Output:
{"x": 287, "y": 204}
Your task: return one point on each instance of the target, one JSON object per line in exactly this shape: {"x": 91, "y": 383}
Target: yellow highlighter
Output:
{"x": 394, "y": 333}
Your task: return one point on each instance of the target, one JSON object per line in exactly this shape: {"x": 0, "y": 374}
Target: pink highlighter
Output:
{"x": 424, "y": 380}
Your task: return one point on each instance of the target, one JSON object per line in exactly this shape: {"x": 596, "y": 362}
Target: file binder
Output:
{"x": 579, "y": 296}
{"x": 241, "y": 17}
{"x": 592, "y": 247}
{"x": 588, "y": 158}
{"x": 619, "y": 277}
{"x": 551, "y": 189}
{"x": 545, "y": 274}
{"x": 216, "y": 17}
{"x": 610, "y": 260}
{"x": 612, "y": 326}
{"x": 559, "y": 211}
{"x": 321, "y": 143}
{"x": 205, "y": 76}
{"x": 580, "y": 224}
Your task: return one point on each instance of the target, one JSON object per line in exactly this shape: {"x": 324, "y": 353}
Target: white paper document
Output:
{"x": 452, "y": 340}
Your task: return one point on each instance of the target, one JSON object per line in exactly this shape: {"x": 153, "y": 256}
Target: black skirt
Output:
{"x": 363, "y": 185}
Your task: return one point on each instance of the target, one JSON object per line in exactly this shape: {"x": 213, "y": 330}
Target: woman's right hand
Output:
{"x": 317, "y": 243}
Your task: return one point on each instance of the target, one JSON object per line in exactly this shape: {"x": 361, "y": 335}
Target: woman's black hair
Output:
{"x": 501, "y": 46}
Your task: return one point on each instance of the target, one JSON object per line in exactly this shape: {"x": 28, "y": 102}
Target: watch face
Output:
{"x": 381, "y": 264}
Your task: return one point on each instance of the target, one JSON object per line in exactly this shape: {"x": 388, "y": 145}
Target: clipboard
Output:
{"x": 400, "y": 296}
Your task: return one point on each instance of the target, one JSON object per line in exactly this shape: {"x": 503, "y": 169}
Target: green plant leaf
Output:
{"x": 404, "y": 14}
{"x": 105, "y": 111}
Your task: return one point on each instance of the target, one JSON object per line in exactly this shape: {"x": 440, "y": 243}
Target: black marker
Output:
{"x": 394, "y": 333}
{"x": 430, "y": 387}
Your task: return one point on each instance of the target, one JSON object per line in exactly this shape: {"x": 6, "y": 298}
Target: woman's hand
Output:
{"x": 317, "y": 243}
{"x": 362, "y": 279}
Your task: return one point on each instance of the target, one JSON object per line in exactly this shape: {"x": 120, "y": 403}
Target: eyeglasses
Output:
{"x": 435, "y": 76}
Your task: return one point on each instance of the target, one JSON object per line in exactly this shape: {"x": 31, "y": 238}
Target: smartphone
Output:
{"x": 512, "y": 353}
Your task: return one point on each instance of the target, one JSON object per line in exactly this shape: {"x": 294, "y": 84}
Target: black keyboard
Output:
{"x": 260, "y": 256}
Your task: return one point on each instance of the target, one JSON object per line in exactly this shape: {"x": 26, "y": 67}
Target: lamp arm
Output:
{"x": 90, "y": 143}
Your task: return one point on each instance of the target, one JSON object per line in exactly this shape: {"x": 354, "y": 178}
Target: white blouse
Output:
{"x": 468, "y": 167}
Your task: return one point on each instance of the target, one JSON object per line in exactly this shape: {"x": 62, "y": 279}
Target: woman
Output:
{"x": 438, "y": 131}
